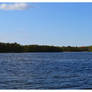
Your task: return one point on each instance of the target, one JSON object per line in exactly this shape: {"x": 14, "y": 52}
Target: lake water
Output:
{"x": 66, "y": 70}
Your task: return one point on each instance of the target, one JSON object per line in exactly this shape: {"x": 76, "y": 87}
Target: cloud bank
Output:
{"x": 15, "y": 6}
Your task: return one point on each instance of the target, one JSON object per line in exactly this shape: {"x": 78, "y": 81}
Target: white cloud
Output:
{"x": 15, "y": 6}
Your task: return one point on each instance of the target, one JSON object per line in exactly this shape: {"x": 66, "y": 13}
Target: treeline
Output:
{"x": 15, "y": 47}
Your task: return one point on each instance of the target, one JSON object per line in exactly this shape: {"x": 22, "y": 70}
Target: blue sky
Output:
{"x": 60, "y": 24}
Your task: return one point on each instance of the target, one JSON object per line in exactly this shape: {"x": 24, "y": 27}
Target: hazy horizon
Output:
{"x": 58, "y": 24}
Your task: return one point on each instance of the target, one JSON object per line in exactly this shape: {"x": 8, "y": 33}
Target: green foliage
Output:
{"x": 15, "y": 47}
{"x": 90, "y": 48}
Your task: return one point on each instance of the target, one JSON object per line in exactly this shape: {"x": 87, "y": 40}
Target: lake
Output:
{"x": 65, "y": 70}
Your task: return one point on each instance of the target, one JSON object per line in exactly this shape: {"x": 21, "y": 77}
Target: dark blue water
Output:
{"x": 70, "y": 70}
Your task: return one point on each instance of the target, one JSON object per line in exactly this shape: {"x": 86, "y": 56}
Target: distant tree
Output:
{"x": 90, "y": 48}
{"x": 15, "y": 47}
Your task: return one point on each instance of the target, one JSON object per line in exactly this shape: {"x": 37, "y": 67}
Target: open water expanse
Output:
{"x": 66, "y": 70}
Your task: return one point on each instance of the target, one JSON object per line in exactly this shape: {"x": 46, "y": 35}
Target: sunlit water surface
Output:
{"x": 66, "y": 70}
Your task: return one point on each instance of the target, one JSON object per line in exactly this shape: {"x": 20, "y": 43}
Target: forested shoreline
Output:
{"x": 18, "y": 48}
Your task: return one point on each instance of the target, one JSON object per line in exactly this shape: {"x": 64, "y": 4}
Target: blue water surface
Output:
{"x": 66, "y": 70}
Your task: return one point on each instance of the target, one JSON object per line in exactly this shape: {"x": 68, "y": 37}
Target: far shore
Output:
{"x": 18, "y": 48}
